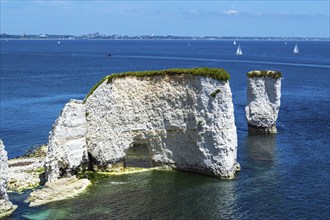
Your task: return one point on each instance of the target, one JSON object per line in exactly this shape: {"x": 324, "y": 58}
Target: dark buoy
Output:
{"x": 109, "y": 55}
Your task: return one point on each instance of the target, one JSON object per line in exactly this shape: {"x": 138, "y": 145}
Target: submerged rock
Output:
{"x": 263, "y": 100}
{"x": 185, "y": 118}
{"x": 58, "y": 190}
{"x": 6, "y": 207}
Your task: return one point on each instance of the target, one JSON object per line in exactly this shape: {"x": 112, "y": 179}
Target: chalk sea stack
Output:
{"x": 6, "y": 207}
{"x": 263, "y": 100}
{"x": 183, "y": 117}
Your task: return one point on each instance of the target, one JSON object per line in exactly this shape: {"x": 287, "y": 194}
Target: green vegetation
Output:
{"x": 35, "y": 151}
{"x": 265, "y": 73}
{"x": 95, "y": 176}
{"x": 213, "y": 94}
{"x": 39, "y": 170}
{"x": 95, "y": 87}
{"x": 214, "y": 73}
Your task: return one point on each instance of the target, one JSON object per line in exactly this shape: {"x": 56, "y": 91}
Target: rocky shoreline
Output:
{"x": 58, "y": 190}
{"x": 28, "y": 172}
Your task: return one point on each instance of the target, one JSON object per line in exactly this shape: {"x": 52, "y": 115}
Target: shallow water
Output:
{"x": 283, "y": 176}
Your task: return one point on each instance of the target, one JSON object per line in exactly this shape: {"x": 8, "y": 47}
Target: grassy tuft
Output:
{"x": 214, "y": 73}
{"x": 94, "y": 87}
{"x": 264, "y": 73}
{"x": 213, "y": 94}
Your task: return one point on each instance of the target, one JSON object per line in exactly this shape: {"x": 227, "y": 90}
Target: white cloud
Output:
{"x": 258, "y": 13}
{"x": 231, "y": 12}
{"x": 193, "y": 12}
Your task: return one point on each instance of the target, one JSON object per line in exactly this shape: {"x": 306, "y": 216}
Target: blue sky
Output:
{"x": 196, "y": 18}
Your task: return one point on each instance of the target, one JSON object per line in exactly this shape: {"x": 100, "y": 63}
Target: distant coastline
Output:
{"x": 97, "y": 36}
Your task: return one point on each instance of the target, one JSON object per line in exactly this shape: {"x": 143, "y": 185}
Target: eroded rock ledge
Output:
{"x": 28, "y": 171}
{"x": 185, "y": 118}
{"x": 263, "y": 100}
{"x": 58, "y": 190}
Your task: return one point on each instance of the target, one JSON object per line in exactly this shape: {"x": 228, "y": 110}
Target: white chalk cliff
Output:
{"x": 185, "y": 121}
{"x": 263, "y": 101}
{"x": 6, "y": 207}
{"x": 67, "y": 142}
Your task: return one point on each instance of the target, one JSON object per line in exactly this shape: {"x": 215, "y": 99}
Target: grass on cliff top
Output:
{"x": 264, "y": 73}
{"x": 214, "y": 73}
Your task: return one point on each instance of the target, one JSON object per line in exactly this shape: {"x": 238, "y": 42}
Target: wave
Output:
{"x": 226, "y": 60}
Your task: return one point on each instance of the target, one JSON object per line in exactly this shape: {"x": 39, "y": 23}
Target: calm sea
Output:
{"x": 283, "y": 176}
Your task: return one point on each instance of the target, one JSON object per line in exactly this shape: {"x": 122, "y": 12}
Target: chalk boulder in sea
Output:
{"x": 6, "y": 207}
{"x": 183, "y": 117}
{"x": 263, "y": 100}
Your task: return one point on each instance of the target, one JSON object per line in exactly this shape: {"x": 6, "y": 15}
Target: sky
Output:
{"x": 183, "y": 18}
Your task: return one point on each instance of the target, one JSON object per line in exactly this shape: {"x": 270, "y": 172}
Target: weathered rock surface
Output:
{"x": 6, "y": 207}
{"x": 263, "y": 102}
{"x": 58, "y": 190}
{"x": 67, "y": 141}
{"x": 25, "y": 173}
{"x": 174, "y": 116}
{"x": 185, "y": 121}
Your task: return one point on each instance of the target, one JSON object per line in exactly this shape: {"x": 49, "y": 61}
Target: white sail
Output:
{"x": 239, "y": 51}
{"x": 234, "y": 43}
{"x": 296, "y": 49}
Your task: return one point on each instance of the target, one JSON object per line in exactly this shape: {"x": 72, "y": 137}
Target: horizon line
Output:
{"x": 97, "y": 34}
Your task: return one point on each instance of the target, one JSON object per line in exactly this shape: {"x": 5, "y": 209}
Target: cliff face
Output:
{"x": 263, "y": 101}
{"x": 174, "y": 116}
{"x": 67, "y": 141}
{"x": 185, "y": 121}
{"x": 6, "y": 207}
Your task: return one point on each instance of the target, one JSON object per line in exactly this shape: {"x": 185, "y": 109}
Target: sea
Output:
{"x": 283, "y": 176}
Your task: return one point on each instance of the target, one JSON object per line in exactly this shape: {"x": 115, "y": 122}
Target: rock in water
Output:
{"x": 6, "y": 207}
{"x": 58, "y": 190}
{"x": 263, "y": 100}
{"x": 185, "y": 120}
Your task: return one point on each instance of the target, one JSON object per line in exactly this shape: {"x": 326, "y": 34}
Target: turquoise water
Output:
{"x": 283, "y": 176}
{"x": 272, "y": 185}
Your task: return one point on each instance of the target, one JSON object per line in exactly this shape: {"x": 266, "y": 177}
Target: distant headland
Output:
{"x": 98, "y": 36}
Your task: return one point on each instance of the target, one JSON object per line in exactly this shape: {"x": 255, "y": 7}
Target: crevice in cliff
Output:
{"x": 91, "y": 162}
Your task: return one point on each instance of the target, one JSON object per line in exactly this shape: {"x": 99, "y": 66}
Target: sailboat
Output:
{"x": 296, "y": 49}
{"x": 234, "y": 43}
{"x": 239, "y": 51}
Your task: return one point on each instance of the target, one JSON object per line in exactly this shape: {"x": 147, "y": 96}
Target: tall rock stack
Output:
{"x": 263, "y": 100}
{"x": 67, "y": 142}
{"x": 6, "y": 207}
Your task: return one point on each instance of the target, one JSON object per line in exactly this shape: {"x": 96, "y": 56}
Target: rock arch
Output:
{"x": 186, "y": 118}
{"x": 139, "y": 154}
